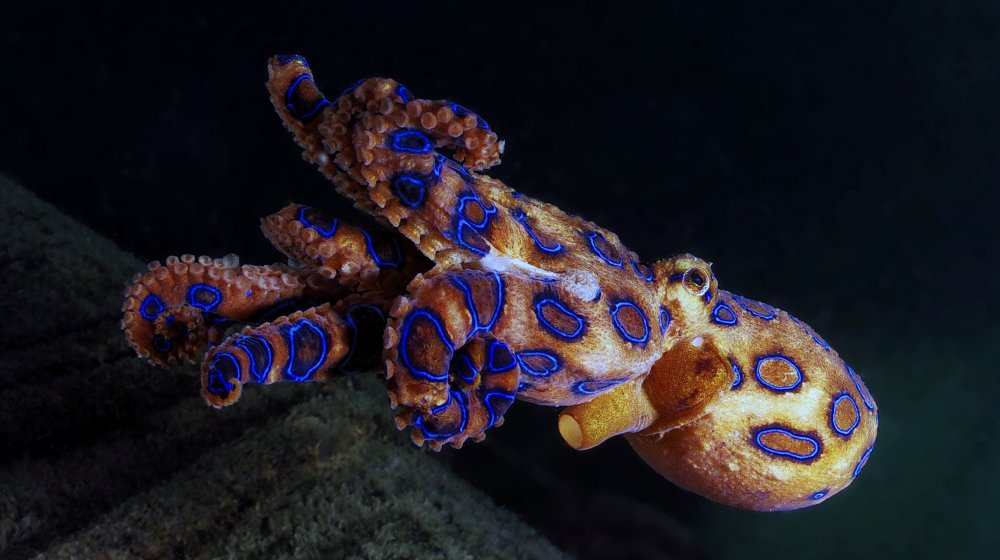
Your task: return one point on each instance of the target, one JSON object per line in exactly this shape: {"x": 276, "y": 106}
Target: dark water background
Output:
{"x": 840, "y": 162}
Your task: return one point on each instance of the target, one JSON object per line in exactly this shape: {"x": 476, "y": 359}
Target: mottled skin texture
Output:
{"x": 476, "y": 295}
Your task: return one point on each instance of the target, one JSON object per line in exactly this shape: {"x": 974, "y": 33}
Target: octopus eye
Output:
{"x": 695, "y": 281}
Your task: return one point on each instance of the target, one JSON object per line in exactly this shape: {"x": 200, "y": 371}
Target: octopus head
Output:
{"x": 748, "y": 406}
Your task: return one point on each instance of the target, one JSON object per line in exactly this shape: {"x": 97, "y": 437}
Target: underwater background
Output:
{"x": 839, "y": 162}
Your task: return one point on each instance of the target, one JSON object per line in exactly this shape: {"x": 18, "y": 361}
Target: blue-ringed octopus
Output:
{"x": 472, "y": 295}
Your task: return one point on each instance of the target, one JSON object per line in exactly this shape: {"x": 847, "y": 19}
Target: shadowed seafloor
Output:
{"x": 102, "y": 455}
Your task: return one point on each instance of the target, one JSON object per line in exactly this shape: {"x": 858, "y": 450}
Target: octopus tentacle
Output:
{"x": 483, "y": 385}
{"x": 446, "y": 365}
{"x": 367, "y": 259}
{"x": 383, "y": 150}
{"x": 304, "y": 110}
{"x": 311, "y": 345}
{"x": 175, "y": 309}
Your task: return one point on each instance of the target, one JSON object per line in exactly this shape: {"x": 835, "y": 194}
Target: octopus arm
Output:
{"x": 175, "y": 309}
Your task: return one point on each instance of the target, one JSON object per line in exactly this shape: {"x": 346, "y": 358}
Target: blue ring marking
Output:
{"x": 470, "y": 303}
{"x": 287, "y": 58}
{"x": 410, "y": 141}
{"x": 815, "y": 336}
{"x": 245, "y": 343}
{"x": 737, "y": 374}
{"x": 162, "y": 344}
{"x": 859, "y": 385}
{"x": 195, "y": 292}
{"x": 323, "y": 102}
{"x": 462, "y": 207}
{"x": 833, "y": 415}
{"x": 522, "y": 219}
{"x": 462, "y": 111}
{"x": 215, "y": 374}
{"x": 352, "y": 87}
{"x": 462, "y": 230}
{"x": 390, "y": 263}
{"x": 349, "y": 318}
{"x": 744, "y": 303}
{"x": 621, "y": 329}
{"x": 470, "y": 379}
{"x": 437, "y": 409}
{"x": 500, "y": 302}
{"x": 404, "y": 355}
{"x": 489, "y": 405}
{"x": 462, "y": 403}
{"x": 545, "y": 371}
{"x": 819, "y": 340}
{"x": 596, "y": 387}
{"x": 290, "y": 337}
{"x": 648, "y": 276}
{"x": 580, "y": 323}
{"x": 150, "y": 314}
{"x": 708, "y": 296}
{"x": 676, "y": 277}
{"x": 719, "y": 314}
{"x": 782, "y": 452}
{"x": 780, "y": 388}
{"x": 439, "y": 161}
{"x": 605, "y": 258}
{"x": 819, "y": 495}
{"x": 492, "y": 357}
{"x": 664, "y": 320}
{"x": 410, "y": 189}
{"x": 403, "y": 93}
{"x": 864, "y": 460}
{"x": 326, "y": 233}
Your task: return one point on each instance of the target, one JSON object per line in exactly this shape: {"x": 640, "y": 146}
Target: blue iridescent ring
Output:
{"x": 326, "y": 232}
{"x": 411, "y": 189}
{"x": 723, "y": 314}
{"x": 538, "y": 363}
{"x": 404, "y": 338}
{"x": 410, "y": 141}
{"x": 621, "y": 329}
{"x": 204, "y": 297}
{"x": 785, "y": 453}
{"x": 293, "y": 359}
{"x": 833, "y": 415}
{"x": 861, "y": 463}
{"x": 558, "y": 305}
{"x": 595, "y": 387}
{"x": 781, "y": 388}
{"x": 664, "y": 320}
{"x": 151, "y": 307}
{"x": 737, "y": 374}
{"x": 290, "y": 92}
{"x": 592, "y": 238}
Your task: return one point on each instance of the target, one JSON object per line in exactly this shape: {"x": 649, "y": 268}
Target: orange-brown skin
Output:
{"x": 498, "y": 296}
